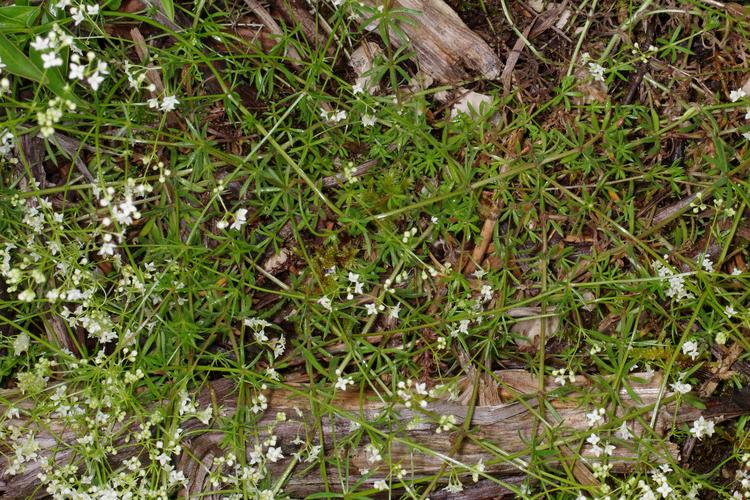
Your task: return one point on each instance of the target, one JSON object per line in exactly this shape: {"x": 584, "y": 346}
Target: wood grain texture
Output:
{"x": 507, "y": 427}
{"x": 446, "y": 49}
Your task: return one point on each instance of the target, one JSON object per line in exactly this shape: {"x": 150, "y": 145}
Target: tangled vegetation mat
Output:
{"x": 390, "y": 249}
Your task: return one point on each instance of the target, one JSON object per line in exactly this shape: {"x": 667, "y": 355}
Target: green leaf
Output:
{"x": 17, "y": 16}
{"x": 168, "y": 8}
{"x": 16, "y": 61}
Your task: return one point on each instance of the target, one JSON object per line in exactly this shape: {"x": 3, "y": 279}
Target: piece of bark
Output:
{"x": 270, "y": 23}
{"x": 446, "y": 48}
{"x": 507, "y": 426}
{"x": 295, "y": 13}
{"x": 361, "y": 62}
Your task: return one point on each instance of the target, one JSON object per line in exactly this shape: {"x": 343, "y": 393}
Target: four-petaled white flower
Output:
{"x": 702, "y": 427}
{"x": 736, "y": 95}
{"x": 342, "y": 382}
{"x": 240, "y": 219}
{"x": 325, "y": 303}
{"x": 690, "y": 348}
{"x": 51, "y": 60}
{"x": 274, "y": 454}
{"x": 76, "y": 71}
{"x": 168, "y": 103}
{"x": 595, "y": 417}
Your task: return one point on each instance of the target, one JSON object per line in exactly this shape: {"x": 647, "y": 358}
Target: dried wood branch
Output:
{"x": 447, "y": 50}
{"x": 507, "y": 426}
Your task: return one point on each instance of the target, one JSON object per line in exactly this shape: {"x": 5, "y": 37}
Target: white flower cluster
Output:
{"x": 25, "y": 449}
{"x": 333, "y": 116}
{"x": 49, "y": 46}
{"x": 412, "y": 393}
{"x": 228, "y": 473}
{"x": 167, "y": 104}
{"x": 742, "y": 478}
{"x": 46, "y": 119}
{"x": 676, "y": 282}
{"x": 91, "y": 70}
{"x": 258, "y": 327}
{"x": 563, "y": 376}
{"x": 240, "y": 219}
{"x": 7, "y": 142}
{"x": 4, "y": 82}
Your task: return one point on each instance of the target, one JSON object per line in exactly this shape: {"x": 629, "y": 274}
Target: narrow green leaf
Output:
{"x": 16, "y": 61}
{"x": 168, "y": 8}
{"x": 17, "y": 16}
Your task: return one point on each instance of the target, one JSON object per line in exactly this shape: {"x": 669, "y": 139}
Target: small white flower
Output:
{"x": 681, "y": 387}
{"x": 240, "y": 219}
{"x": 623, "y": 432}
{"x": 394, "y": 311}
{"x": 380, "y": 485}
{"x": 274, "y": 454}
{"x": 76, "y": 71}
{"x": 40, "y": 43}
{"x": 702, "y": 427}
{"x": 325, "y": 303}
{"x": 368, "y": 120}
{"x": 596, "y": 71}
{"x": 463, "y": 327}
{"x": 27, "y": 295}
{"x": 729, "y": 311}
{"x": 77, "y": 15}
{"x": 736, "y": 95}
{"x": 153, "y": 103}
{"x": 333, "y": 116}
{"x": 168, "y": 103}
{"x": 372, "y": 309}
{"x": 690, "y": 348}
{"x": 706, "y": 263}
{"x": 92, "y": 10}
{"x": 562, "y": 376}
{"x": 342, "y": 382}
{"x": 664, "y": 489}
{"x": 95, "y": 80}
{"x": 595, "y": 417}
{"x": 594, "y": 440}
{"x": 746, "y": 136}
{"x": 357, "y": 88}
{"x": 51, "y": 60}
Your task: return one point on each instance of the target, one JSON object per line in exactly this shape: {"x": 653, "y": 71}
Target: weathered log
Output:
{"x": 502, "y": 430}
{"x": 446, "y": 49}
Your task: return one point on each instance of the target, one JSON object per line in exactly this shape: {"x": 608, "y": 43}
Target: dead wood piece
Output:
{"x": 270, "y": 23}
{"x": 152, "y": 73}
{"x": 361, "y": 62}
{"x": 508, "y": 427}
{"x": 295, "y": 13}
{"x": 446, "y": 48}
